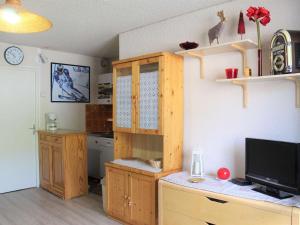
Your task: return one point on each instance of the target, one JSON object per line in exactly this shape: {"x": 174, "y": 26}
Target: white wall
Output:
{"x": 214, "y": 117}
{"x": 70, "y": 115}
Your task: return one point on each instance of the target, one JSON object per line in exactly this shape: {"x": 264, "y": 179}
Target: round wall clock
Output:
{"x": 14, "y": 55}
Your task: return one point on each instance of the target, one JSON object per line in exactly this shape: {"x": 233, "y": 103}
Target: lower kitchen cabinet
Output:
{"x": 141, "y": 200}
{"x": 117, "y": 185}
{"x": 58, "y": 182}
{"x": 132, "y": 197}
{"x": 63, "y": 163}
{"x": 45, "y": 170}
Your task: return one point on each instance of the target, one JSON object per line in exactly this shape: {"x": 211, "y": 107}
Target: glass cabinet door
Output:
{"x": 148, "y": 92}
{"x": 123, "y": 92}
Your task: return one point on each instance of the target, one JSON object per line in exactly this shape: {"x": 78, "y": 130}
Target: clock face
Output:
{"x": 14, "y": 55}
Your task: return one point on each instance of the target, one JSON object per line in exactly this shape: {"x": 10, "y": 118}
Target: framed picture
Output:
{"x": 70, "y": 83}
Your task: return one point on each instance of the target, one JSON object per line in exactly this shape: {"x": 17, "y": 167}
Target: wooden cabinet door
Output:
{"x": 117, "y": 193}
{"x": 45, "y": 166}
{"x": 123, "y": 98}
{"x": 149, "y": 96}
{"x": 57, "y": 169}
{"x": 142, "y": 200}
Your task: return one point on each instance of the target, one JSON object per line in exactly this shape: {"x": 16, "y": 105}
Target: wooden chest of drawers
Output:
{"x": 63, "y": 163}
{"x": 181, "y": 206}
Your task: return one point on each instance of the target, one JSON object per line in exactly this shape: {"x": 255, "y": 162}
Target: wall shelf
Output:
{"x": 238, "y": 46}
{"x": 243, "y": 83}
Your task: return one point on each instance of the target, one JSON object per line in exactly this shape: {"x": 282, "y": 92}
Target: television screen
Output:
{"x": 272, "y": 162}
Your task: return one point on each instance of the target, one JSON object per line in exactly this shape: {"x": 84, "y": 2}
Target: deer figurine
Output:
{"x": 215, "y": 32}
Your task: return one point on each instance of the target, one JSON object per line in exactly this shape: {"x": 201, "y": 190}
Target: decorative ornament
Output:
{"x": 241, "y": 26}
{"x": 223, "y": 174}
{"x": 188, "y": 45}
{"x": 215, "y": 32}
{"x": 259, "y": 15}
{"x": 197, "y": 163}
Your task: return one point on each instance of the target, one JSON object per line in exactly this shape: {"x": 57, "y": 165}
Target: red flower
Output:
{"x": 251, "y": 12}
{"x": 264, "y": 21}
{"x": 259, "y": 14}
{"x": 262, "y": 12}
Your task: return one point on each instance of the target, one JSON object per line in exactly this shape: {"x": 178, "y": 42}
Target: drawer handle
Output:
{"x": 216, "y": 200}
{"x": 209, "y": 223}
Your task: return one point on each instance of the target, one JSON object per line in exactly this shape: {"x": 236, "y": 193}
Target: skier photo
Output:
{"x": 70, "y": 83}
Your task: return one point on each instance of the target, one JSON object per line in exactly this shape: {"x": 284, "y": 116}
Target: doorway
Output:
{"x": 18, "y": 156}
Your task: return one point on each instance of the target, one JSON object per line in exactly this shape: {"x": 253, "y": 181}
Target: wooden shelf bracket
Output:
{"x": 201, "y": 58}
{"x": 244, "y": 86}
{"x": 296, "y": 80}
{"x": 243, "y": 52}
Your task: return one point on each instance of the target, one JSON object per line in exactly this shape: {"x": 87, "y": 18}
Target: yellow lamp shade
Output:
{"x": 16, "y": 19}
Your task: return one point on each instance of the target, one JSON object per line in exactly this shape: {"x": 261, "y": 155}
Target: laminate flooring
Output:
{"x": 38, "y": 207}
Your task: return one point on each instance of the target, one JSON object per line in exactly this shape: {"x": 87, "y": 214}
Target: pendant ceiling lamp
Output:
{"x": 16, "y": 19}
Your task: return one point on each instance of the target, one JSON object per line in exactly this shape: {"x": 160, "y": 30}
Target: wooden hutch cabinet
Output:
{"x": 148, "y": 124}
{"x": 63, "y": 163}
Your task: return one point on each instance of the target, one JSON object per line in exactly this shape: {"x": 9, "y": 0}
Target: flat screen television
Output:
{"x": 275, "y": 165}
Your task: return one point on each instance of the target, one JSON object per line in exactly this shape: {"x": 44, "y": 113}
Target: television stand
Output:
{"x": 272, "y": 192}
{"x": 184, "y": 203}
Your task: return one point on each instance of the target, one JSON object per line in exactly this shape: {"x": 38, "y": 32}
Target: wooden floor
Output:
{"x": 38, "y": 207}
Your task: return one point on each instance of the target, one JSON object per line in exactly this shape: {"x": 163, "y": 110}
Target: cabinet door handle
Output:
{"x": 209, "y": 223}
{"x": 216, "y": 200}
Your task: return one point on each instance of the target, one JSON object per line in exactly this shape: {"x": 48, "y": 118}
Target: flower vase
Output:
{"x": 259, "y": 58}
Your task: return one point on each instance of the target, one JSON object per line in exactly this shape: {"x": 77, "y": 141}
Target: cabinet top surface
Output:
{"x": 129, "y": 169}
{"x": 138, "y": 171}
{"x": 226, "y": 188}
{"x": 151, "y": 55}
{"x": 62, "y": 132}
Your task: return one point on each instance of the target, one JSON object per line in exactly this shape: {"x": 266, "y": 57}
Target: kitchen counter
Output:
{"x": 62, "y": 132}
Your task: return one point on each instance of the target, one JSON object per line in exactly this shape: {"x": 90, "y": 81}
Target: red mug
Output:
{"x": 235, "y": 72}
{"x": 229, "y": 73}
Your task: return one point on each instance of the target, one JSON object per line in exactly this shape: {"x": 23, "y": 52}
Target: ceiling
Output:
{"x": 91, "y": 27}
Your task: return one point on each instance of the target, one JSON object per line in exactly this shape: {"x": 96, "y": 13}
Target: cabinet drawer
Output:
{"x": 175, "y": 218}
{"x": 51, "y": 139}
{"x": 95, "y": 142}
{"x": 221, "y": 212}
